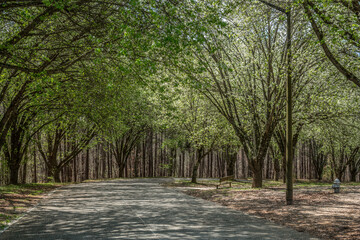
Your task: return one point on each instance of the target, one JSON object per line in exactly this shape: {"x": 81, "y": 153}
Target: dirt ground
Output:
{"x": 17, "y": 199}
{"x": 316, "y": 209}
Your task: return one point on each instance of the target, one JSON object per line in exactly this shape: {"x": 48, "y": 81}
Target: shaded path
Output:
{"x": 138, "y": 209}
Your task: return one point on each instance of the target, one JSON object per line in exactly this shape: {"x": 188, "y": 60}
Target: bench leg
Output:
{"x": 230, "y": 184}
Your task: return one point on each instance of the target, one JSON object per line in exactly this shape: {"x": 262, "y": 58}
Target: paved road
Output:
{"x": 138, "y": 209}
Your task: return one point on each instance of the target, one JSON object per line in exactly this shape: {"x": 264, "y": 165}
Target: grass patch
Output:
{"x": 5, "y": 219}
{"x": 310, "y": 183}
{"x": 351, "y": 184}
{"x": 271, "y": 183}
{"x": 186, "y": 183}
{"x": 103, "y": 179}
{"x": 30, "y": 188}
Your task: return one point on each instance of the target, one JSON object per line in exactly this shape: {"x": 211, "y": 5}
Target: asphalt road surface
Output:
{"x": 138, "y": 209}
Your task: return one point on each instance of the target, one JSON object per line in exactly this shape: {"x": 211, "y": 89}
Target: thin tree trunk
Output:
{"x": 24, "y": 173}
{"x": 151, "y": 162}
{"x": 155, "y": 155}
{"x": 136, "y": 163}
{"x": 35, "y": 168}
{"x": 144, "y": 158}
{"x": 197, "y": 156}
{"x": 276, "y": 169}
{"x": 87, "y": 164}
{"x": 75, "y": 169}
{"x": 103, "y": 160}
{"x": 243, "y": 167}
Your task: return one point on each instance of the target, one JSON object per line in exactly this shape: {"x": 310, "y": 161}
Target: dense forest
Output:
{"x": 132, "y": 88}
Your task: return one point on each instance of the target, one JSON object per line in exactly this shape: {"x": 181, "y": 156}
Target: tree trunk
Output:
{"x": 212, "y": 164}
{"x": 353, "y": 176}
{"x": 284, "y": 168}
{"x": 257, "y": 178}
{"x": 339, "y": 174}
{"x": 289, "y": 136}
{"x": 256, "y": 170}
{"x": 75, "y": 169}
{"x": 56, "y": 175}
{"x": 319, "y": 176}
{"x": 173, "y": 169}
{"x": 35, "y": 168}
{"x": 150, "y": 155}
{"x": 109, "y": 165}
{"x": 231, "y": 159}
{"x": 14, "y": 174}
{"x": 276, "y": 169}
{"x": 136, "y": 163}
{"x": 183, "y": 164}
{"x": 195, "y": 171}
{"x": 108, "y": 155}
{"x": 96, "y": 162}
{"x": 155, "y": 156}
{"x": 144, "y": 158}
{"x": 243, "y": 167}
{"x": 87, "y": 164}
{"x": 24, "y": 173}
{"x": 121, "y": 169}
{"x": 353, "y": 169}
{"x": 103, "y": 159}
{"x": 196, "y": 166}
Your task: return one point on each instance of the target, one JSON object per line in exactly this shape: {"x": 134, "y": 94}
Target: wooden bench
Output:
{"x": 225, "y": 180}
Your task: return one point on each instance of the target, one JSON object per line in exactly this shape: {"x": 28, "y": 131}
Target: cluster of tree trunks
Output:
{"x": 149, "y": 158}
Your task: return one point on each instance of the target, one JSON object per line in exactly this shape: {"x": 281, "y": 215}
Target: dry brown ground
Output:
{"x": 316, "y": 209}
{"x": 17, "y": 199}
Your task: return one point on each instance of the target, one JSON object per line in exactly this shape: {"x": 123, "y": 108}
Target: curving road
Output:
{"x": 138, "y": 209}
